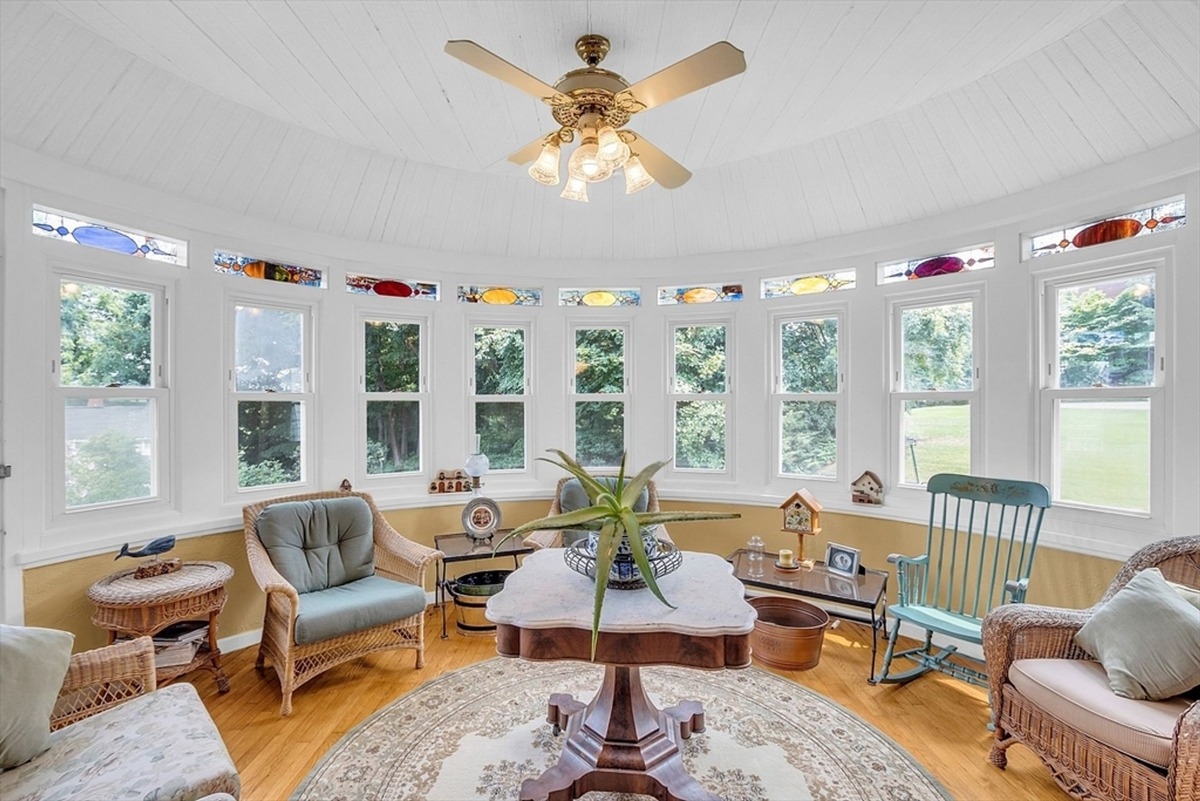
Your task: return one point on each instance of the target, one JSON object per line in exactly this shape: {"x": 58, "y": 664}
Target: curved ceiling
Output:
{"x": 347, "y": 118}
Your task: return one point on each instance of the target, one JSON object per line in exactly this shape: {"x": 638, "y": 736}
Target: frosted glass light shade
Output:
{"x": 585, "y": 163}
{"x": 576, "y": 189}
{"x": 612, "y": 149}
{"x": 636, "y": 177}
{"x": 477, "y": 465}
{"x": 545, "y": 169}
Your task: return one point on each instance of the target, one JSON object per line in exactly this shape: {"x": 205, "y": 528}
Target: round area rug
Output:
{"x": 478, "y": 732}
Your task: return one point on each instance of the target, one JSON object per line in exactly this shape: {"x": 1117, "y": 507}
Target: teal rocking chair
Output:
{"x": 982, "y": 536}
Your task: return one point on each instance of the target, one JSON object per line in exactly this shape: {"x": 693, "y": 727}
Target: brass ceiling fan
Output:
{"x": 596, "y": 104}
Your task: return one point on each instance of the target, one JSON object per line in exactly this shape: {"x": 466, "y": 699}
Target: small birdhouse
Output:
{"x": 867, "y": 488}
{"x": 802, "y": 516}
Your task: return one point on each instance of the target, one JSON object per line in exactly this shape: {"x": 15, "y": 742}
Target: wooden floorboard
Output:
{"x": 940, "y": 721}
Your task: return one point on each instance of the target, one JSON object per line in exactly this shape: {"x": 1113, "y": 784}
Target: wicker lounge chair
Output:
{"x": 115, "y": 735}
{"x": 1089, "y": 765}
{"x": 298, "y": 654}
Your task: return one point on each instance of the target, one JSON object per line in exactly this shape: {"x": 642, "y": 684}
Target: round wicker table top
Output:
{"x": 194, "y": 578}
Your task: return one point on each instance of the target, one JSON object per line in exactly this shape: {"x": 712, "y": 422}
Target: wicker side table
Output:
{"x": 137, "y": 607}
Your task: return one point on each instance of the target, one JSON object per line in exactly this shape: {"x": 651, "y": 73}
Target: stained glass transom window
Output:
{"x": 500, "y": 295}
{"x": 699, "y": 293}
{"x": 599, "y": 297}
{"x": 249, "y": 267}
{"x": 96, "y": 234}
{"x": 1139, "y": 222}
{"x": 807, "y": 284}
{"x": 978, "y": 257}
{"x": 392, "y": 287}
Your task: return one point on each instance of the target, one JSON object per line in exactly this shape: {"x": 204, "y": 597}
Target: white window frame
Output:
{"x": 421, "y": 396}
{"x": 898, "y": 396}
{"x": 526, "y": 324}
{"x": 625, "y": 397}
{"x": 160, "y": 497}
{"x": 1046, "y": 284}
{"x": 675, "y": 398}
{"x": 307, "y": 397}
{"x": 779, "y": 397}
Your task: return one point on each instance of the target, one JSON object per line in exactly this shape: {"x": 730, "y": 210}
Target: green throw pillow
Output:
{"x": 33, "y": 663}
{"x": 1148, "y": 639}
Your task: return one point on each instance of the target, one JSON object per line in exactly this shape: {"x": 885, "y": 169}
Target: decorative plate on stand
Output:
{"x": 480, "y": 518}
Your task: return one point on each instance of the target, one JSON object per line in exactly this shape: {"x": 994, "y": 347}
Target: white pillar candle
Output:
{"x": 787, "y": 558}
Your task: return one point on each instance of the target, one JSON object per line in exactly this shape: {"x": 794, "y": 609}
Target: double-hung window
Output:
{"x": 271, "y": 393}
{"x": 393, "y": 394}
{"x": 600, "y": 394}
{"x": 110, "y": 393}
{"x": 500, "y": 393}
{"x": 1103, "y": 385}
{"x": 700, "y": 395}
{"x": 935, "y": 403}
{"x": 808, "y": 391}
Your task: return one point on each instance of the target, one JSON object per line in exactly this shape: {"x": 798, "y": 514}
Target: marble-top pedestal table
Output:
{"x": 620, "y": 741}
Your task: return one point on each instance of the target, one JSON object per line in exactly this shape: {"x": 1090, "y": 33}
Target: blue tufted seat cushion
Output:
{"x": 355, "y": 606}
{"x": 319, "y": 544}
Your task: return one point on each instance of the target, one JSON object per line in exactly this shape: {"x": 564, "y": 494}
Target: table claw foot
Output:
{"x": 560, "y": 710}
{"x": 688, "y": 716}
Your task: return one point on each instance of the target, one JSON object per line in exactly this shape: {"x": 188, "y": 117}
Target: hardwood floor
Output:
{"x": 938, "y": 720}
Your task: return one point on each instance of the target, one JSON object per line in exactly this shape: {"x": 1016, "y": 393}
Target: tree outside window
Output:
{"x": 701, "y": 396}
{"x": 392, "y": 383}
{"x": 600, "y": 396}
{"x": 269, "y": 385}
{"x": 936, "y": 389}
{"x": 500, "y": 380}
{"x": 109, "y": 392}
{"x": 808, "y": 396}
{"x": 1103, "y": 390}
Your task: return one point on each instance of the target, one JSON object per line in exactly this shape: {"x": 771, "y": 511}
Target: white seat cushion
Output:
{"x": 162, "y": 745}
{"x": 1076, "y": 692}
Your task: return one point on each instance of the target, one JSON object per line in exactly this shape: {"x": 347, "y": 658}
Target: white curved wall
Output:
{"x": 201, "y": 504}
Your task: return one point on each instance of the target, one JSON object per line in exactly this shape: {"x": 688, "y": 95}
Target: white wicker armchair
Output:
{"x": 1087, "y": 765}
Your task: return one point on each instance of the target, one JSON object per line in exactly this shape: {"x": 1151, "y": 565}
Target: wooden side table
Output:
{"x": 143, "y": 607}
{"x": 620, "y": 740}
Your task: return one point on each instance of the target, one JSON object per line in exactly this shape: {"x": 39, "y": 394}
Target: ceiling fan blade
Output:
{"x": 528, "y": 153}
{"x": 712, "y": 64}
{"x": 470, "y": 53}
{"x": 662, "y": 168}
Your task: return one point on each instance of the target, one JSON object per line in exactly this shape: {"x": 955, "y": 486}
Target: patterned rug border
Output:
{"x": 552, "y": 669}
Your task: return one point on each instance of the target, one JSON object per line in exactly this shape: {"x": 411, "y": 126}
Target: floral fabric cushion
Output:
{"x": 160, "y": 746}
{"x": 33, "y": 662}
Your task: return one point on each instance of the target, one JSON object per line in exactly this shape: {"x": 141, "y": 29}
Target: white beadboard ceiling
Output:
{"x": 345, "y": 116}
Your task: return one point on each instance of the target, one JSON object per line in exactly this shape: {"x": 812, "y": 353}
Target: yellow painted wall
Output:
{"x": 56, "y": 595}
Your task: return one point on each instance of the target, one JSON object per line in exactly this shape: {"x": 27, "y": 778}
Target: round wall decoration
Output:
{"x": 481, "y": 518}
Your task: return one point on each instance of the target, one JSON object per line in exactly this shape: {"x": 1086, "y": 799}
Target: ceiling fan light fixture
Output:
{"x": 612, "y": 149}
{"x": 576, "y": 189}
{"x": 586, "y": 164}
{"x": 545, "y": 169}
{"x": 636, "y": 177}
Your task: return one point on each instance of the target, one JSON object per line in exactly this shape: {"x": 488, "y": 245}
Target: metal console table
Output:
{"x": 866, "y": 591}
{"x": 460, "y": 547}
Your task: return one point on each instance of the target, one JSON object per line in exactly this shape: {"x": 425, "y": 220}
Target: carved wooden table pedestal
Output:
{"x": 620, "y": 741}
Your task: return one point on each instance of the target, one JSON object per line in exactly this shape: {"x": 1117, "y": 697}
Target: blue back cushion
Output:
{"x": 573, "y": 497}
{"x": 319, "y": 544}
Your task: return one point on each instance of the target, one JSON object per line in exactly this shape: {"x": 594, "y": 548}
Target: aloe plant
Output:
{"x": 611, "y": 514}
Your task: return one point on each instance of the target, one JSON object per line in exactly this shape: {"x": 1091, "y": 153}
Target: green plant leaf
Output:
{"x": 606, "y": 551}
{"x": 647, "y": 519}
{"x": 634, "y": 488}
{"x": 633, "y": 533}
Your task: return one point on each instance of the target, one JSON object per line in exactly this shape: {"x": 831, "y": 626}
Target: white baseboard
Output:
{"x": 236, "y": 642}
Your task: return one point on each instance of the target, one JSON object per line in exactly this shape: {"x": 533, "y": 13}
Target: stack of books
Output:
{"x": 177, "y": 644}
